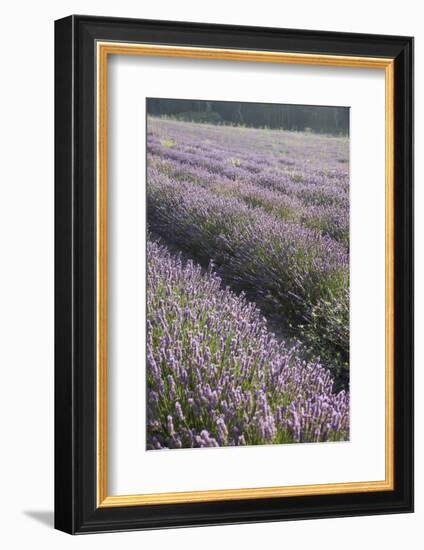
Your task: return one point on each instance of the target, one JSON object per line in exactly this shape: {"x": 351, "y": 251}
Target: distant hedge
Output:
{"x": 301, "y": 118}
{"x": 193, "y": 116}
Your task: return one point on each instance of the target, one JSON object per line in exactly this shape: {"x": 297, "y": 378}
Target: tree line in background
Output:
{"x": 326, "y": 120}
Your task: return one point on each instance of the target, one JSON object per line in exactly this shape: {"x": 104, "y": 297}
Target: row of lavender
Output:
{"x": 271, "y": 209}
{"x": 215, "y": 374}
{"x": 300, "y": 178}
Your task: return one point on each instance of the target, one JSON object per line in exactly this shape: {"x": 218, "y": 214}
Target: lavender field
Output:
{"x": 247, "y": 286}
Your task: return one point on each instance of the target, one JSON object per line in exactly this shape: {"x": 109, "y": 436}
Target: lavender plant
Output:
{"x": 216, "y": 376}
{"x": 285, "y": 267}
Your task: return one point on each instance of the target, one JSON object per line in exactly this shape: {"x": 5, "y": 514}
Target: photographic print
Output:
{"x": 247, "y": 274}
{"x": 232, "y": 274}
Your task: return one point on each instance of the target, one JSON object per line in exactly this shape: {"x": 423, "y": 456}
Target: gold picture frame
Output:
{"x": 106, "y": 49}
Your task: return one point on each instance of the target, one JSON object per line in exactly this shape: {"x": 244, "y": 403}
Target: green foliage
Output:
{"x": 205, "y": 117}
{"x": 326, "y": 335}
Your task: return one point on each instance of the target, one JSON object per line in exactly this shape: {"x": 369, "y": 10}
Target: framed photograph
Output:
{"x": 234, "y": 274}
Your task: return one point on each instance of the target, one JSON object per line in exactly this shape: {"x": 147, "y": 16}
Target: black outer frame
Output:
{"x": 75, "y": 275}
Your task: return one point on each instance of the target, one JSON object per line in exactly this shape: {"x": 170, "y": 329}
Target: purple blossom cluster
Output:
{"x": 216, "y": 376}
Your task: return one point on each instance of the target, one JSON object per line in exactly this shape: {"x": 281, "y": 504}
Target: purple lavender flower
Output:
{"x": 239, "y": 385}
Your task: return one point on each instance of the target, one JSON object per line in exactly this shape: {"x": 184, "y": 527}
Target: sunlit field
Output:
{"x": 247, "y": 286}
